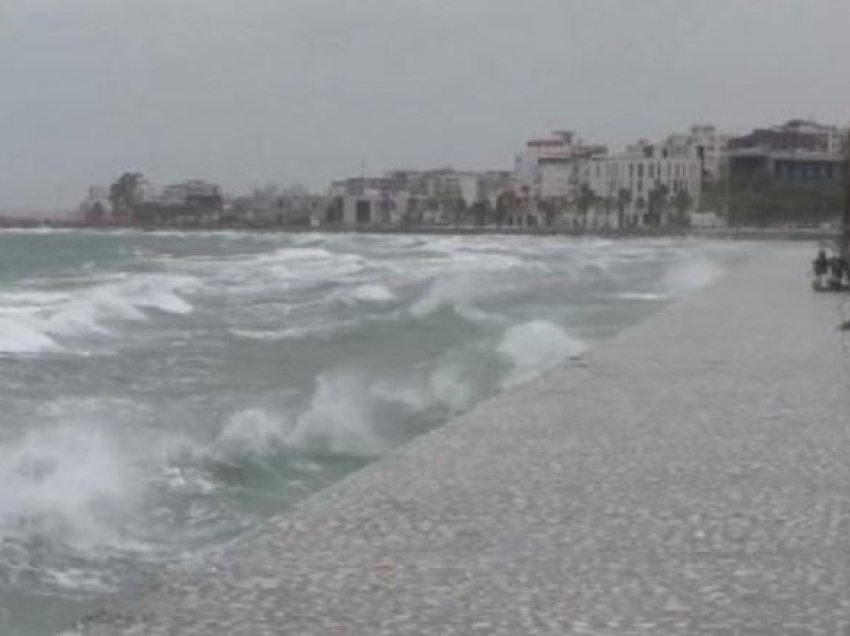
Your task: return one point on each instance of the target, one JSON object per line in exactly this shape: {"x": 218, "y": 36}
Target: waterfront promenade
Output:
{"x": 691, "y": 476}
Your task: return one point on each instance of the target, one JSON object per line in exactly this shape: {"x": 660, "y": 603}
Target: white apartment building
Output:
{"x": 550, "y": 169}
{"x": 437, "y": 196}
{"x": 374, "y": 207}
{"x": 628, "y": 179}
{"x": 179, "y": 194}
{"x": 705, "y": 143}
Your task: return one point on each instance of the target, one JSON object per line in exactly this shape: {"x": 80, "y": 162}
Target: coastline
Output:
{"x": 569, "y": 505}
{"x": 725, "y": 233}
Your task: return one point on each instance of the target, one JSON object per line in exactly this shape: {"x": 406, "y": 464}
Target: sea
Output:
{"x": 163, "y": 392}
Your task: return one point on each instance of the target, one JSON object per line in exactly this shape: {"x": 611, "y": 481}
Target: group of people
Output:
{"x": 831, "y": 272}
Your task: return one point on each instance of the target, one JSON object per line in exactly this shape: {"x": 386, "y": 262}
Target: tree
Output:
{"x": 585, "y": 199}
{"x": 506, "y": 205}
{"x": 714, "y": 195}
{"x": 96, "y": 213}
{"x": 657, "y": 202}
{"x": 609, "y": 202}
{"x": 481, "y": 211}
{"x": 682, "y": 202}
{"x": 457, "y": 207}
{"x": 640, "y": 204}
{"x": 125, "y": 194}
{"x": 624, "y": 200}
{"x": 549, "y": 212}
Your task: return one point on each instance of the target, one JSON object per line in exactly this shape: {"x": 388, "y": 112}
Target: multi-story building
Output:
{"x": 551, "y": 169}
{"x": 434, "y": 196}
{"x": 645, "y": 185}
{"x": 794, "y": 135}
{"x": 193, "y": 192}
{"x": 798, "y": 151}
{"x": 706, "y": 144}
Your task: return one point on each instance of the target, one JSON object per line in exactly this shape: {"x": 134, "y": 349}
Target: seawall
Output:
{"x": 692, "y": 476}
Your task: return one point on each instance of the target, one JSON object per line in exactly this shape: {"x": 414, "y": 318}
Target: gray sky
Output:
{"x": 254, "y": 91}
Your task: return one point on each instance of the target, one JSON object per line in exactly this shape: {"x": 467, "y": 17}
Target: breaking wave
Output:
{"x": 534, "y": 347}
{"x": 65, "y": 483}
{"x": 40, "y": 322}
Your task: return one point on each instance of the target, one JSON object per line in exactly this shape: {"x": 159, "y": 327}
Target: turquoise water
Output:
{"x": 163, "y": 392}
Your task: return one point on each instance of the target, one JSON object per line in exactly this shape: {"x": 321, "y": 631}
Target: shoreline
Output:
{"x": 726, "y": 233}
{"x": 570, "y": 504}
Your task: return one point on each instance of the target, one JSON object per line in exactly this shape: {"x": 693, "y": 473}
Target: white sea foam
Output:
{"x": 253, "y": 431}
{"x": 373, "y": 293}
{"x": 340, "y": 417}
{"x": 64, "y": 482}
{"x": 536, "y": 346}
{"x": 450, "y": 386}
{"x": 17, "y": 337}
{"x": 31, "y": 322}
{"x": 691, "y": 275}
{"x": 456, "y": 292}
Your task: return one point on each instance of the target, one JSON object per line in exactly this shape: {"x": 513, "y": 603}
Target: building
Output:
{"x": 706, "y": 144}
{"x": 438, "y": 196}
{"x": 192, "y": 193}
{"x": 788, "y": 173}
{"x": 647, "y": 185}
{"x": 794, "y": 135}
{"x": 799, "y": 151}
{"x": 551, "y": 168}
{"x": 789, "y": 166}
{"x": 189, "y": 202}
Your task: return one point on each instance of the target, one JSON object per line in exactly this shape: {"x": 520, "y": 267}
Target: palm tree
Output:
{"x": 506, "y": 204}
{"x": 585, "y": 199}
{"x": 609, "y": 203}
{"x": 481, "y": 211}
{"x": 640, "y": 204}
{"x": 624, "y": 200}
{"x": 657, "y": 202}
{"x": 124, "y": 194}
{"x": 682, "y": 202}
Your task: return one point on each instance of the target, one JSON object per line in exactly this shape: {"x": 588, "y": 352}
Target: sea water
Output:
{"x": 163, "y": 392}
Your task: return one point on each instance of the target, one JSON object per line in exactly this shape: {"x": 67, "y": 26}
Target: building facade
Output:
{"x": 551, "y": 169}
{"x": 644, "y": 186}
{"x": 439, "y": 196}
{"x": 706, "y": 144}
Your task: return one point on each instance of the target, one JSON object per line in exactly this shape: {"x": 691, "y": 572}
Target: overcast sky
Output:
{"x": 246, "y": 92}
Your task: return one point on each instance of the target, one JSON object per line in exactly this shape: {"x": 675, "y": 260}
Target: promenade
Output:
{"x": 691, "y": 476}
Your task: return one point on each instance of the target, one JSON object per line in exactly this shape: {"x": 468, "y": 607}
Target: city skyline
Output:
{"x": 265, "y": 93}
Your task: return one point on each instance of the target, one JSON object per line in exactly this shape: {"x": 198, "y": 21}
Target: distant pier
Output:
{"x": 692, "y": 476}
